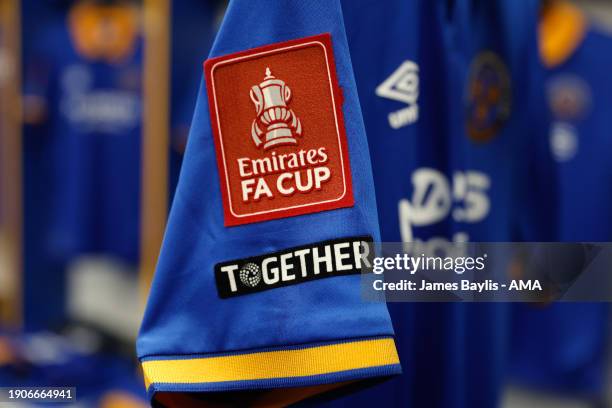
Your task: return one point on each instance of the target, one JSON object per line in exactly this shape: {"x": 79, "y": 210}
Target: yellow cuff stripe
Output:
{"x": 301, "y": 362}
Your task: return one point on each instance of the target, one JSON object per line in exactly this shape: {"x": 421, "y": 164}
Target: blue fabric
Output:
{"x": 184, "y": 315}
{"x": 82, "y": 183}
{"x": 95, "y": 170}
{"x": 563, "y": 347}
{"x": 451, "y": 354}
{"x": 96, "y": 159}
{"x": 193, "y": 30}
{"x": 43, "y": 275}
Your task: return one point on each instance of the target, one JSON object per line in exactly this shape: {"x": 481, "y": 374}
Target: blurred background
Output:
{"x": 96, "y": 103}
{"x": 96, "y": 98}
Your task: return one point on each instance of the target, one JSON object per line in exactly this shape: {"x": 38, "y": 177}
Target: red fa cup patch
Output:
{"x": 276, "y": 114}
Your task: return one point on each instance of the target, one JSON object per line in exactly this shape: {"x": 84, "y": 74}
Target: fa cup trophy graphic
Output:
{"x": 280, "y": 124}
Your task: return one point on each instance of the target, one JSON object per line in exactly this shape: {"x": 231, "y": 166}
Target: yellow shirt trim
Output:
{"x": 274, "y": 364}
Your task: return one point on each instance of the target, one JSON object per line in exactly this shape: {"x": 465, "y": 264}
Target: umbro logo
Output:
{"x": 402, "y": 86}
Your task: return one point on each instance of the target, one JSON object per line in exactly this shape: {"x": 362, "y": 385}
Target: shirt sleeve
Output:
{"x": 258, "y": 281}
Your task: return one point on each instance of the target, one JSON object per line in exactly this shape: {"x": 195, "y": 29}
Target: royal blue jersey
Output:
{"x": 42, "y": 271}
{"x": 82, "y": 168}
{"x": 502, "y": 181}
{"x": 257, "y": 285}
{"x": 563, "y": 347}
{"x": 94, "y": 110}
{"x": 449, "y": 105}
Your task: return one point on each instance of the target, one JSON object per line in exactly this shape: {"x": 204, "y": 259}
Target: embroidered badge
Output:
{"x": 276, "y": 114}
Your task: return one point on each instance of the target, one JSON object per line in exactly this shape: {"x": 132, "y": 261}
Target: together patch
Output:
{"x": 276, "y": 114}
{"x": 325, "y": 259}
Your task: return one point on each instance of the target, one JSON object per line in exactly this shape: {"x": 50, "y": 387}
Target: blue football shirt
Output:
{"x": 445, "y": 167}
{"x": 258, "y": 284}
{"x": 562, "y": 347}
